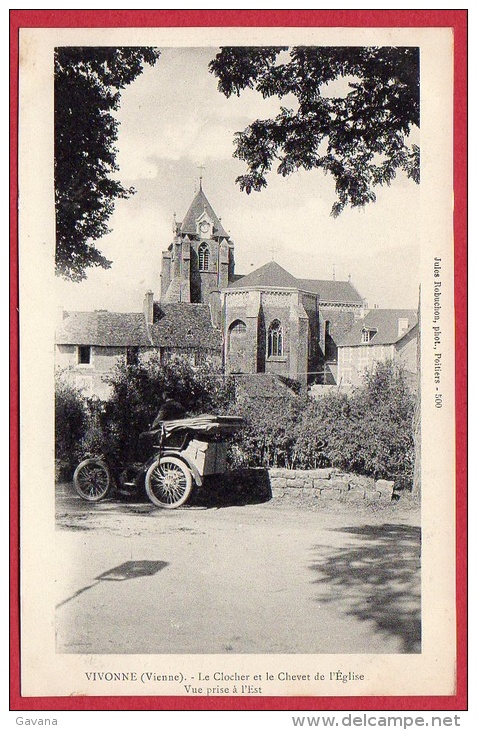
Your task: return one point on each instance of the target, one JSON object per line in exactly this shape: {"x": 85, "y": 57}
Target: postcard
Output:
{"x": 237, "y": 364}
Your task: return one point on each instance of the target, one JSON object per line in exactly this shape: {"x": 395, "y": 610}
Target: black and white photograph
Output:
{"x": 247, "y": 364}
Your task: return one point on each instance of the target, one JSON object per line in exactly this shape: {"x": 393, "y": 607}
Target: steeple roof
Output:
{"x": 197, "y": 207}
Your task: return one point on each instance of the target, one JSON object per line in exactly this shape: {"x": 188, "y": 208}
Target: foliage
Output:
{"x": 70, "y": 420}
{"x": 139, "y": 390}
{"x": 368, "y": 432}
{"x": 87, "y": 84}
{"x": 318, "y": 437}
{"x": 267, "y": 437}
{"x": 359, "y": 138}
{"x": 385, "y": 409}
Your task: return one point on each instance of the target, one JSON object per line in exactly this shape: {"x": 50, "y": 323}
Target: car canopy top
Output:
{"x": 205, "y": 424}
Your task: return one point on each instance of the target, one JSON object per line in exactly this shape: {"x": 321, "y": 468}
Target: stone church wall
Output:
{"x": 241, "y": 355}
{"x": 202, "y": 283}
{"x": 276, "y": 306}
{"x": 341, "y": 319}
{"x": 313, "y": 335}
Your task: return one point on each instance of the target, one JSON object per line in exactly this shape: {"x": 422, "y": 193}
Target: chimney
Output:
{"x": 403, "y": 326}
{"x": 363, "y": 311}
{"x": 148, "y": 307}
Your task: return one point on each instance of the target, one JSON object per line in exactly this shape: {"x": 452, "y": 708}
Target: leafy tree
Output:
{"x": 384, "y": 409}
{"x": 360, "y": 138}
{"x": 87, "y": 92}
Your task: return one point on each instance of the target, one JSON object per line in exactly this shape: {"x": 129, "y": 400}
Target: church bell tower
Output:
{"x": 200, "y": 260}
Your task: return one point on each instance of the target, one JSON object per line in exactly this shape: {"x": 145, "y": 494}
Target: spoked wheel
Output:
{"x": 168, "y": 482}
{"x": 92, "y": 480}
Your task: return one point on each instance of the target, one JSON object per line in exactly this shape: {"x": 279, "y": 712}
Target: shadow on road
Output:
{"x": 376, "y": 578}
{"x": 125, "y": 571}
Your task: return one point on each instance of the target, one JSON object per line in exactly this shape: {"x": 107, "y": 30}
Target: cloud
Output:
{"x": 175, "y": 112}
{"x": 172, "y": 119}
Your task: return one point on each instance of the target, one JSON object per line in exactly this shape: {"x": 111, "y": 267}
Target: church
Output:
{"x": 271, "y": 322}
{"x": 267, "y": 321}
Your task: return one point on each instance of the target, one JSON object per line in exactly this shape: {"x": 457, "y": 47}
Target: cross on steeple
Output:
{"x": 273, "y": 251}
{"x": 201, "y": 168}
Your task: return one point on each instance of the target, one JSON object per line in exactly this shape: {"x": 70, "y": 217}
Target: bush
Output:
{"x": 70, "y": 423}
{"x": 385, "y": 407}
{"x": 318, "y": 438}
{"x": 368, "y": 432}
{"x": 266, "y": 438}
{"x": 138, "y": 391}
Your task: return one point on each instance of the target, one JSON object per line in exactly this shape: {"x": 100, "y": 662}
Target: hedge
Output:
{"x": 368, "y": 431}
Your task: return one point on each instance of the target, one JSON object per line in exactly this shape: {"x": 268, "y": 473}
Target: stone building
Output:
{"x": 383, "y": 334}
{"x": 271, "y": 322}
{"x": 89, "y": 345}
{"x": 276, "y": 323}
{"x": 200, "y": 260}
{"x": 265, "y": 322}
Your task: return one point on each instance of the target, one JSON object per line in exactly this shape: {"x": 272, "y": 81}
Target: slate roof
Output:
{"x": 262, "y": 385}
{"x": 184, "y": 325}
{"x": 108, "y": 329}
{"x": 274, "y": 275}
{"x": 197, "y": 207}
{"x": 271, "y": 274}
{"x": 175, "y": 325}
{"x": 385, "y": 322}
{"x": 332, "y": 291}
{"x": 235, "y": 277}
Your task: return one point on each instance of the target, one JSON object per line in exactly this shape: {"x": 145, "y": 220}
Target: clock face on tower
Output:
{"x": 204, "y": 228}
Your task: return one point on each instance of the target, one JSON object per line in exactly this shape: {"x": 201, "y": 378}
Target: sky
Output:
{"x": 172, "y": 120}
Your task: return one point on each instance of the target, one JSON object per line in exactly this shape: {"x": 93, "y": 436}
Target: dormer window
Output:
{"x": 204, "y": 255}
{"x": 367, "y": 335}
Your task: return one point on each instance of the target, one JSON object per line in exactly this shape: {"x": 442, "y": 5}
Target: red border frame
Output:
{"x": 457, "y": 19}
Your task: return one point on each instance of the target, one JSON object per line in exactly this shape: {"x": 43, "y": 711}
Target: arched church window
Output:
{"x": 275, "y": 339}
{"x": 203, "y": 257}
{"x": 237, "y": 328}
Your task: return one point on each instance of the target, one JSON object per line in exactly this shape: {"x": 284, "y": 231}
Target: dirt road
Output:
{"x": 257, "y": 578}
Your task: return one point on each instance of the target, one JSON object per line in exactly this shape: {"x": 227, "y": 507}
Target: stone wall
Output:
{"x": 328, "y": 485}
